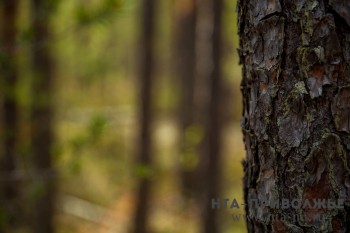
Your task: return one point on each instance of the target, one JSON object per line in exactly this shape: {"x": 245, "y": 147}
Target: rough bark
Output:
{"x": 296, "y": 94}
{"x": 9, "y": 75}
{"x": 42, "y": 117}
{"x": 145, "y": 104}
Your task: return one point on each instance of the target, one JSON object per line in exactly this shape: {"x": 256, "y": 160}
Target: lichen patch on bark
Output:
{"x": 341, "y": 110}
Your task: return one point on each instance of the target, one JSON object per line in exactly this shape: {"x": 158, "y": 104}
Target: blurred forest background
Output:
{"x": 119, "y": 116}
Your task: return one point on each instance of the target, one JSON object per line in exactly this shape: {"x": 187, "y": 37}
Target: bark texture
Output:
{"x": 296, "y": 117}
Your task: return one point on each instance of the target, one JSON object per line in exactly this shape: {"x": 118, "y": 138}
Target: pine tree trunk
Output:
{"x": 146, "y": 74}
{"x": 8, "y": 66}
{"x": 185, "y": 67}
{"x": 42, "y": 118}
{"x": 213, "y": 130}
{"x": 296, "y": 94}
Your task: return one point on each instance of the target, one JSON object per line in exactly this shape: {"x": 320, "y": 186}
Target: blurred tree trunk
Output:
{"x": 296, "y": 76}
{"x": 42, "y": 117}
{"x": 214, "y": 126}
{"x": 8, "y": 74}
{"x": 146, "y": 74}
{"x": 185, "y": 69}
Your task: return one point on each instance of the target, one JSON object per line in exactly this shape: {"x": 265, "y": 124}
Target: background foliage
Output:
{"x": 95, "y": 47}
